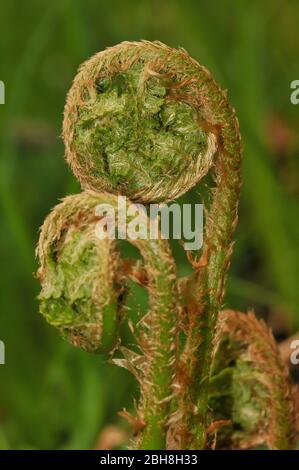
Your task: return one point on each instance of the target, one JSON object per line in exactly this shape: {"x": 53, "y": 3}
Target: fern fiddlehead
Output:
{"x": 146, "y": 121}
{"x": 82, "y": 282}
{"x": 78, "y": 272}
{"x": 132, "y": 123}
{"x": 255, "y": 395}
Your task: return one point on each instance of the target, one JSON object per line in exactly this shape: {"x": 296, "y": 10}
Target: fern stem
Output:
{"x": 206, "y": 286}
{"x": 160, "y": 349}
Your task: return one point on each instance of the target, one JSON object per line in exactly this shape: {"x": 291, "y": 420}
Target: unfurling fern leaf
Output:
{"x": 250, "y": 388}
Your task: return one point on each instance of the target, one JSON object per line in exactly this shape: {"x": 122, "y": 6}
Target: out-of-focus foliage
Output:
{"x": 52, "y": 395}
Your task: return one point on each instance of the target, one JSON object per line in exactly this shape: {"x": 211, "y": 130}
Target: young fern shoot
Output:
{"x": 146, "y": 121}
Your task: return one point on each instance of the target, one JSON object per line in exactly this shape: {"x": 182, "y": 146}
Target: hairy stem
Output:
{"x": 160, "y": 348}
{"x": 157, "y": 339}
{"x": 206, "y": 286}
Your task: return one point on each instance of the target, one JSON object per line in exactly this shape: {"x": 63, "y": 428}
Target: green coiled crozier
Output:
{"x": 134, "y": 123}
{"x": 79, "y": 275}
{"x": 250, "y": 390}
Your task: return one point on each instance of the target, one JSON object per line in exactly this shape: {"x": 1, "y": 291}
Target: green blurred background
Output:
{"x": 52, "y": 395}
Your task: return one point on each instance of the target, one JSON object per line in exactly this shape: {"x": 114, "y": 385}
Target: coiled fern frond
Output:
{"x": 250, "y": 388}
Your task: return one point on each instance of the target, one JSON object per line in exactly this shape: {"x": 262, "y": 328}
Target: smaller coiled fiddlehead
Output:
{"x": 83, "y": 282}
{"x": 79, "y": 274}
{"x": 250, "y": 387}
